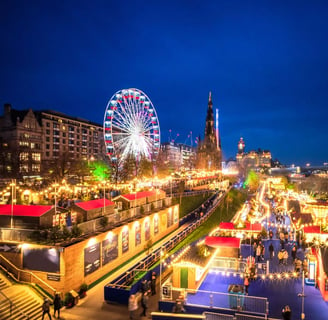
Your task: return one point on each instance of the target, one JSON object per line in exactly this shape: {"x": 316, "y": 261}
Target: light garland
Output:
{"x": 270, "y": 276}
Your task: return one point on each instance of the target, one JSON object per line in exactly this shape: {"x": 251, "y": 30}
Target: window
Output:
{"x": 64, "y": 134}
{"x": 47, "y": 131}
{"x": 56, "y": 132}
{"x": 23, "y": 156}
{"x": 36, "y": 156}
{"x": 47, "y": 154}
{"x": 47, "y": 146}
{"x": 36, "y": 167}
{"x": 48, "y": 124}
{"x": 47, "y": 139}
{"x": 23, "y": 143}
{"x": 23, "y": 168}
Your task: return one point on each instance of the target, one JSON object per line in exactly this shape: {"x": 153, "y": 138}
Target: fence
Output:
{"x": 228, "y": 264}
{"x": 218, "y": 316}
{"x": 238, "y": 302}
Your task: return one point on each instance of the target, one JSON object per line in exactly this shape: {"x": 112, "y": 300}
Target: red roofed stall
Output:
{"x": 26, "y": 216}
{"x": 229, "y": 246}
{"x": 314, "y": 232}
{"x": 93, "y": 209}
{"x": 229, "y": 226}
{"x": 132, "y": 200}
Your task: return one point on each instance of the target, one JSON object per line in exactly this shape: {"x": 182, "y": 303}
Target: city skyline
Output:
{"x": 265, "y": 64}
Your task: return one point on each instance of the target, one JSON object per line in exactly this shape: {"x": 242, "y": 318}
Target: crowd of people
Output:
{"x": 147, "y": 289}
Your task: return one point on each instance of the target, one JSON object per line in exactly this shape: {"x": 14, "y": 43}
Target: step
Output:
{"x": 25, "y": 301}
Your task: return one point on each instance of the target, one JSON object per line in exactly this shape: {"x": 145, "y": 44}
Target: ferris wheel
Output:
{"x": 131, "y": 127}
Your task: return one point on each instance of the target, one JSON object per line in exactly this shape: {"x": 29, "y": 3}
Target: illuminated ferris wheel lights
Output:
{"x": 131, "y": 126}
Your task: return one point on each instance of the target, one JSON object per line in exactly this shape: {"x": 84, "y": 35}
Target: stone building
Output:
{"x": 34, "y": 143}
{"x": 209, "y": 154}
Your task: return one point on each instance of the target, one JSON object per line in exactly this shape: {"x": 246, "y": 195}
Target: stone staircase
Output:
{"x": 25, "y": 303}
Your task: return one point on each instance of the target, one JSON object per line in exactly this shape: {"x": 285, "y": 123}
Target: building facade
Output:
{"x": 252, "y": 159}
{"x": 35, "y": 143}
{"x": 178, "y": 156}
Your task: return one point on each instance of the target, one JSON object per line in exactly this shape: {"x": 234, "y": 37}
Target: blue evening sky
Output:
{"x": 266, "y": 63}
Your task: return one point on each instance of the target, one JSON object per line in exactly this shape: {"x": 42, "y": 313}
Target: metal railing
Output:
{"x": 25, "y": 276}
{"x": 239, "y": 316}
{"x": 218, "y": 316}
{"x": 228, "y": 264}
{"x": 238, "y": 302}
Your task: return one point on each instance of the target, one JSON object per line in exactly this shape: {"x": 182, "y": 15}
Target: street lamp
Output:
{"x": 13, "y": 188}
{"x": 302, "y": 295}
{"x": 55, "y": 185}
{"x": 160, "y": 272}
{"x": 104, "y": 196}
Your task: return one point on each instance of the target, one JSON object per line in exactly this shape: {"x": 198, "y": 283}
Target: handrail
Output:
{"x": 14, "y": 305}
{"x": 51, "y": 290}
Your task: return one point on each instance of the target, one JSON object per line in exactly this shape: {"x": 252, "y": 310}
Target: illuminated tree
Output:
{"x": 252, "y": 181}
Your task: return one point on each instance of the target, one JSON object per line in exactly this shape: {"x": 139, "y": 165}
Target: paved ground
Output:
{"x": 94, "y": 307}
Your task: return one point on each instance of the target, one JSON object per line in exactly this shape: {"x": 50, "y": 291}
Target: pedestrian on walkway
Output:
{"x": 144, "y": 304}
{"x": 281, "y": 256}
{"x": 286, "y": 313}
{"x": 294, "y": 250}
{"x": 246, "y": 284}
{"x": 254, "y": 249}
{"x": 46, "y": 308}
{"x": 133, "y": 306}
{"x": 258, "y": 253}
{"x": 271, "y": 250}
{"x": 57, "y": 305}
{"x": 285, "y": 256}
{"x": 153, "y": 283}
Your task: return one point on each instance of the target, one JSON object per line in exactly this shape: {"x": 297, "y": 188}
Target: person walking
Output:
{"x": 246, "y": 284}
{"x": 271, "y": 250}
{"x": 133, "y": 306}
{"x": 281, "y": 256}
{"x": 258, "y": 253}
{"x": 294, "y": 250}
{"x": 286, "y": 313}
{"x": 57, "y": 305}
{"x": 285, "y": 257}
{"x": 153, "y": 283}
{"x": 144, "y": 304}
{"x": 46, "y": 308}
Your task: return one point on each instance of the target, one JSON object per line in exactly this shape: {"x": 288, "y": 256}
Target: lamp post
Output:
{"x": 55, "y": 186}
{"x": 171, "y": 180}
{"x": 160, "y": 272}
{"x": 104, "y": 196}
{"x": 302, "y": 295}
{"x": 13, "y": 188}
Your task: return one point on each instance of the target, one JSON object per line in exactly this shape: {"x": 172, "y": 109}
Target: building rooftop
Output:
{"x": 24, "y": 210}
{"x": 94, "y": 204}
